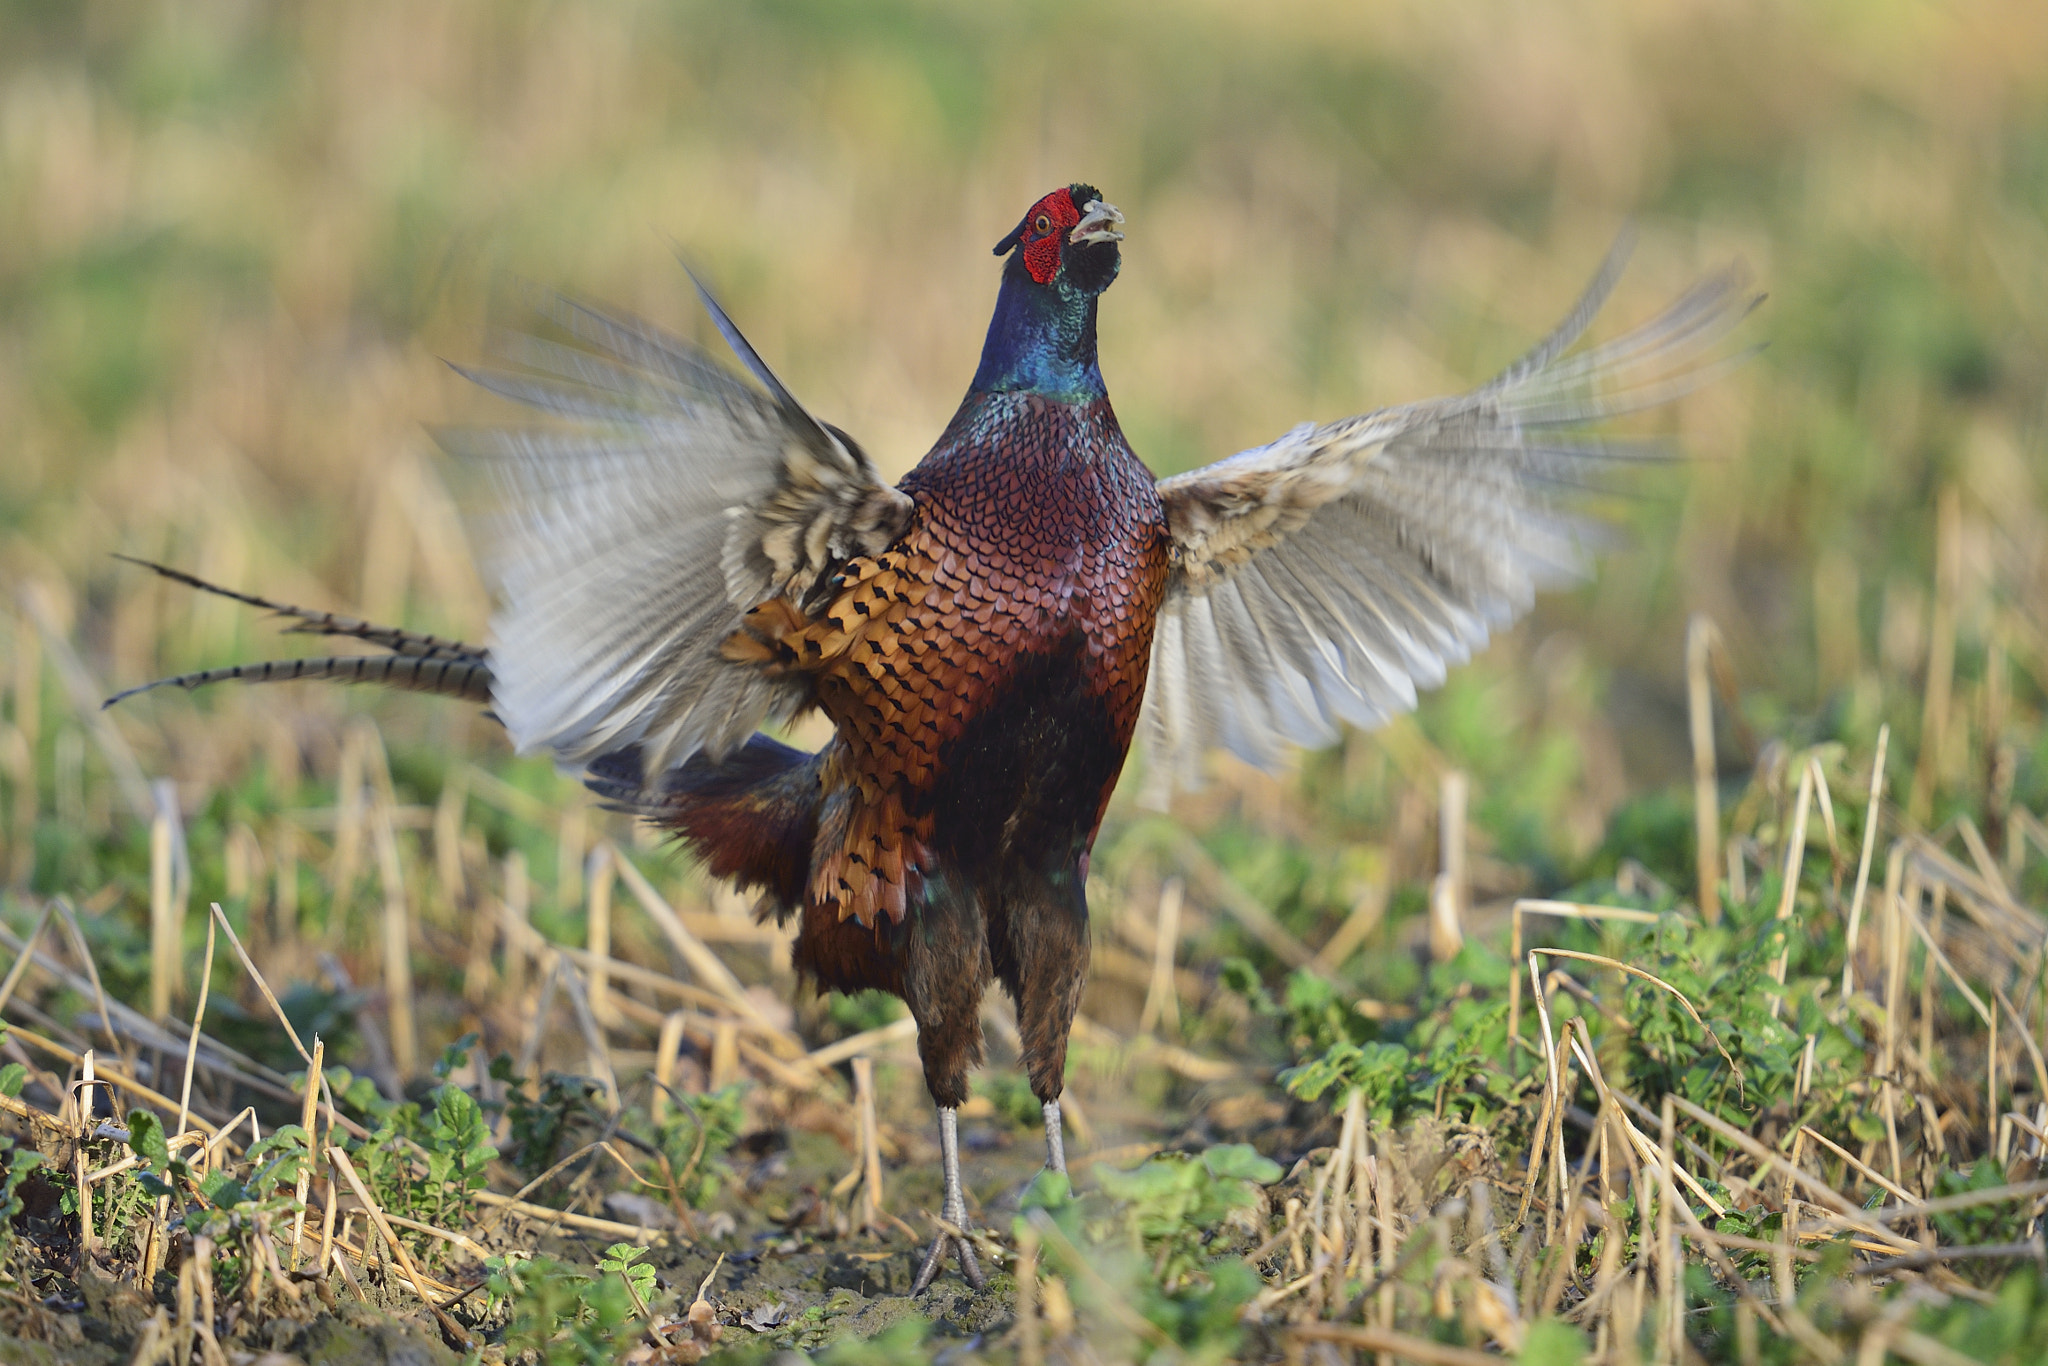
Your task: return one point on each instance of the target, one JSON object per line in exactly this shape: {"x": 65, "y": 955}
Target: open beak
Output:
{"x": 1098, "y": 224}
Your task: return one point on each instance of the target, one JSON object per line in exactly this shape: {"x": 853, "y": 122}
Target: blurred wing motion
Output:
{"x": 1326, "y": 576}
{"x": 415, "y": 662}
{"x": 627, "y": 539}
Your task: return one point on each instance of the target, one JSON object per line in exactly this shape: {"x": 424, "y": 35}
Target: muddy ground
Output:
{"x": 781, "y": 1275}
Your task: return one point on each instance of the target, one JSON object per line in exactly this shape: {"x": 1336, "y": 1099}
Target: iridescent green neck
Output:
{"x": 1041, "y": 339}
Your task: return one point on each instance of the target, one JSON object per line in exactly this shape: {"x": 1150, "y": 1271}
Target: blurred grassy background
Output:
{"x": 235, "y": 238}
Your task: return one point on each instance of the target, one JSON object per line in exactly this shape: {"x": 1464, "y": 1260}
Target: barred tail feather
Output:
{"x": 417, "y": 662}
{"x": 464, "y": 676}
{"x": 314, "y": 623}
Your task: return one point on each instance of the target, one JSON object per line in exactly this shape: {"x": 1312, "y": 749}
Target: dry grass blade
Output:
{"x": 309, "y": 1120}
{"x": 1366, "y": 915}
{"x": 541, "y": 1213}
{"x": 1030, "y": 1332}
{"x": 449, "y": 1327}
{"x": 1700, "y": 636}
{"x": 1162, "y": 1002}
{"x": 1450, "y": 894}
{"x": 1052, "y": 1235}
{"x": 1795, "y": 856}
{"x": 1180, "y": 1061}
{"x": 870, "y": 1144}
{"x": 597, "y": 1053}
{"x": 1651, "y": 977}
{"x": 83, "y": 953}
{"x": 710, "y": 970}
{"x": 867, "y": 1041}
{"x": 598, "y": 927}
{"x": 1405, "y": 1346}
{"x": 1566, "y": 910}
{"x": 2030, "y": 1251}
{"x": 1224, "y": 890}
{"x": 1941, "y": 654}
{"x": 85, "y": 694}
{"x": 396, "y": 941}
{"x": 449, "y": 1236}
{"x": 1922, "y": 1350}
{"x": 262, "y": 986}
{"x": 1949, "y": 1204}
{"x": 2027, "y": 1038}
{"x": 170, "y": 1036}
{"x": 1670, "y": 1333}
{"x": 120, "y": 1080}
{"x": 1857, "y": 1165}
{"x": 162, "y": 964}
{"x": 1823, "y": 1194}
{"x": 192, "y": 1039}
{"x": 23, "y": 958}
{"x": 1870, "y": 822}
{"x": 1553, "y": 1102}
{"x": 546, "y": 950}
{"x": 1948, "y": 969}
{"x": 1644, "y": 1149}
{"x": 518, "y": 1197}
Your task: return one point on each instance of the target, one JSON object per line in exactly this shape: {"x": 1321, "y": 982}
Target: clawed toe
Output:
{"x": 970, "y": 1268}
{"x": 953, "y": 1226}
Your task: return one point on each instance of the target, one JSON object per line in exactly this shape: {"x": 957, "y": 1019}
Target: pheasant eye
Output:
{"x": 1042, "y": 225}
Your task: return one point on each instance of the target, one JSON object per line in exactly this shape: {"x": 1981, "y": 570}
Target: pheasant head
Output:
{"x": 1062, "y": 254}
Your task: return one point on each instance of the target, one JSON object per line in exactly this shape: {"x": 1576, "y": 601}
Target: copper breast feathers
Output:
{"x": 1035, "y": 529}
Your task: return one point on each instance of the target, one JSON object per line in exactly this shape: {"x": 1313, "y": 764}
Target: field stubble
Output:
{"x": 1803, "y": 1125}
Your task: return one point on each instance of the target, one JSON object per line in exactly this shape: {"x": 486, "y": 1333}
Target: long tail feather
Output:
{"x": 417, "y": 662}
{"x": 309, "y": 622}
{"x": 466, "y": 677}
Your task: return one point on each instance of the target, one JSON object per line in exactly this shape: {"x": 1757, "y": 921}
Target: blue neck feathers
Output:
{"x": 1041, "y": 340}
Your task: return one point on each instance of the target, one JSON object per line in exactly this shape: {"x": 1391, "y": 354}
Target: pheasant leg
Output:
{"x": 1055, "y": 1146}
{"x": 954, "y": 1212}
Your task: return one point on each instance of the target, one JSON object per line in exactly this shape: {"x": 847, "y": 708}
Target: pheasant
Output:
{"x": 681, "y": 558}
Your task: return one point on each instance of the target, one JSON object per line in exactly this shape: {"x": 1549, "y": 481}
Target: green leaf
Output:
{"x": 1551, "y": 1343}
{"x": 620, "y": 1256}
{"x": 1241, "y": 1160}
{"x": 1238, "y": 975}
{"x": 12, "y": 1077}
{"x": 359, "y": 1094}
{"x": 455, "y": 1055}
{"x": 1151, "y": 1180}
{"x": 1048, "y": 1190}
{"x": 146, "y": 1139}
{"x": 222, "y": 1190}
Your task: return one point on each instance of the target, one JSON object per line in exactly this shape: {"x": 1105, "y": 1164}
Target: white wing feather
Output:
{"x": 1325, "y": 577}
{"x": 626, "y": 540}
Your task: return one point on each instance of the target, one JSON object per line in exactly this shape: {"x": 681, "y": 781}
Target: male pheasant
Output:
{"x": 681, "y": 558}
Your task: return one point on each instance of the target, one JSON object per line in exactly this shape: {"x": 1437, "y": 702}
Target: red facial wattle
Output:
{"x": 1045, "y": 232}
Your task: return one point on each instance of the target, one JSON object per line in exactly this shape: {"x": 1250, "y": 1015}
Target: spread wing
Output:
{"x": 626, "y": 537}
{"x": 1327, "y": 576}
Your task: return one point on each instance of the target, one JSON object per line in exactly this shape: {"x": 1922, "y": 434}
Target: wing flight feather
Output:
{"x": 1325, "y": 577}
{"x": 626, "y": 539}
